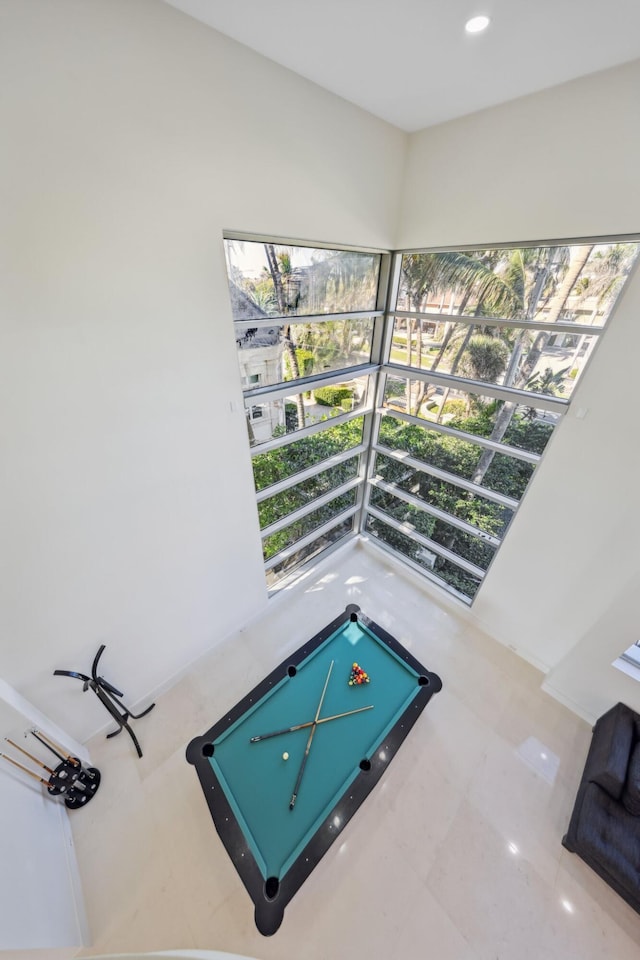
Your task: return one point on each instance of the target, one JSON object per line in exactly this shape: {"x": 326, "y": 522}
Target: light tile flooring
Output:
{"x": 456, "y": 855}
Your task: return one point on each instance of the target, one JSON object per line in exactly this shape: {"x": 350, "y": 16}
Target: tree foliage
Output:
{"x": 507, "y": 475}
{"x": 283, "y": 462}
{"x": 300, "y": 528}
{"x": 332, "y": 396}
{"x": 485, "y": 358}
{"x": 463, "y": 582}
{"x": 485, "y": 514}
{"x": 301, "y": 494}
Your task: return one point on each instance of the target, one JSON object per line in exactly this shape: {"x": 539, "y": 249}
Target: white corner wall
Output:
{"x": 132, "y": 136}
{"x": 550, "y": 165}
{"x": 37, "y": 856}
{"x": 561, "y": 163}
{"x": 584, "y": 679}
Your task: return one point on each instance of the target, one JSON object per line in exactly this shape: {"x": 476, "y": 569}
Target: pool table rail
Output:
{"x": 271, "y": 895}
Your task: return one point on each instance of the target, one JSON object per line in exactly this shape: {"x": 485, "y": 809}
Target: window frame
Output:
{"x": 557, "y": 405}
{"x": 288, "y": 389}
{"x": 379, "y": 368}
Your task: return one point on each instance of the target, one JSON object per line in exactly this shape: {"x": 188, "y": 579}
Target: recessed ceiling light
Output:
{"x": 477, "y": 24}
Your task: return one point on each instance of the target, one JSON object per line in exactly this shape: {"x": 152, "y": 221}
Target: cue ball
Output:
{"x": 285, "y": 756}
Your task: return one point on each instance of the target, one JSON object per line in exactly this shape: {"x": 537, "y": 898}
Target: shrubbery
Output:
{"x": 332, "y": 396}
{"x": 305, "y": 360}
{"x": 275, "y": 465}
{"x": 457, "y": 407}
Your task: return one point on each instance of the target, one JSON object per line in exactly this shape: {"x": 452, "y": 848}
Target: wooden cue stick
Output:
{"x": 301, "y": 726}
{"x": 39, "y": 735}
{"x": 34, "y": 759}
{"x": 36, "y": 776}
{"x": 308, "y": 747}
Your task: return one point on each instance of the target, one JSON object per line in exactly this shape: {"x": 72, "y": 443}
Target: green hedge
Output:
{"x": 305, "y": 360}
{"x": 457, "y": 407}
{"x": 332, "y": 396}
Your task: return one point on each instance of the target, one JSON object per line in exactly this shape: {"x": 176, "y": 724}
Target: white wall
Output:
{"x": 554, "y": 164}
{"x": 584, "y": 679}
{"x": 562, "y": 163}
{"x": 132, "y": 136}
{"x": 37, "y": 859}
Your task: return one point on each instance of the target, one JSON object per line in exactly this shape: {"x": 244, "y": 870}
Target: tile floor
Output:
{"x": 456, "y": 855}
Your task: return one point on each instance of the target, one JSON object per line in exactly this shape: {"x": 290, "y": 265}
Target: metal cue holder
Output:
{"x": 69, "y": 779}
{"x": 109, "y": 697}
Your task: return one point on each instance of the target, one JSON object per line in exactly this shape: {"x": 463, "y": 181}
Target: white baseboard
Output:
{"x": 568, "y": 702}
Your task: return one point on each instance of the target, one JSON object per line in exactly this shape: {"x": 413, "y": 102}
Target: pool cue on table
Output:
{"x": 314, "y": 724}
{"x": 35, "y": 776}
{"x": 301, "y": 726}
{"x": 32, "y": 758}
{"x": 49, "y": 744}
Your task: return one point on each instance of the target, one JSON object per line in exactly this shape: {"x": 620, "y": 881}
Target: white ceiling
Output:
{"x": 410, "y": 61}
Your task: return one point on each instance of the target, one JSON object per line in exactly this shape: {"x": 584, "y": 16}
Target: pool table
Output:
{"x": 284, "y": 771}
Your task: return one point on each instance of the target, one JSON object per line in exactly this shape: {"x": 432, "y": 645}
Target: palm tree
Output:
{"x": 339, "y": 281}
{"x": 521, "y": 371}
{"x": 280, "y": 265}
{"x": 608, "y": 270}
{"x": 548, "y": 381}
{"x": 424, "y": 275}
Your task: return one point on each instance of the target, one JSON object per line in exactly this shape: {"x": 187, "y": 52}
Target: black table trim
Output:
{"x": 271, "y": 898}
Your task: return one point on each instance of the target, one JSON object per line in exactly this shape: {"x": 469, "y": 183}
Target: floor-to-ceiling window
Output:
{"x": 483, "y": 349}
{"x": 308, "y": 320}
{"x": 409, "y": 398}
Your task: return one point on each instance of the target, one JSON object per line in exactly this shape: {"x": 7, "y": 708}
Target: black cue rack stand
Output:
{"x": 69, "y": 780}
{"x": 110, "y": 697}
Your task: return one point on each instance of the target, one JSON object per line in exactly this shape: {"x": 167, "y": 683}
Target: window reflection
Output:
{"x": 278, "y": 280}
{"x": 272, "y": 355}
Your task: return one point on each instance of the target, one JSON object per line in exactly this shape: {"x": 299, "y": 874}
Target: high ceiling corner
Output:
{"x": 412, "y": 64}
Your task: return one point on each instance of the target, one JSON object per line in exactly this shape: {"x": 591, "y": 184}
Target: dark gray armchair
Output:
{"x": 605, "y": 824}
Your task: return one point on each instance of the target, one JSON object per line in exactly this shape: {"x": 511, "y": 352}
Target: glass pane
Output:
{"x": 496, "y": 471}
{"x": 466, "y": 546}
{"x": 267, "y": 419}
{"x": 569, "y": 282}
{"x": 270, "y": 355}
{"x": 484, "y": 514}
{"x": 536, "y": 361}
{"x": 281, "y": 504}
{"x": 461, "y": 581}
{"x": 275, "y": 465}
{"x": 296, "y": 531}
{"x": 277, "y": 573}
{"x": 277, "y": 280}
{"x": 517, "y": 425}
{"x": 596, "y": 290}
